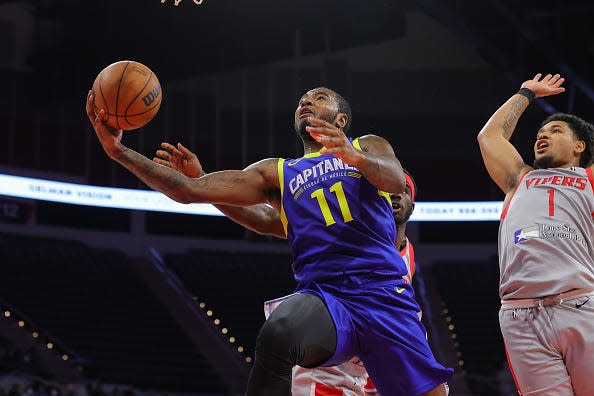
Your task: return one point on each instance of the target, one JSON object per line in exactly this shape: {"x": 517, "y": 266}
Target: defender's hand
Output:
{"x": 334, "y": 140}
{"x": 109, "y": 137}
{"x": 549, "y": 85}
{"x": 179, "y": 158}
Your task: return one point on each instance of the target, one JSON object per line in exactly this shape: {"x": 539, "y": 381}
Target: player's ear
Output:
{"x": 580, "y": 146}
{"x": 341, "y": 120}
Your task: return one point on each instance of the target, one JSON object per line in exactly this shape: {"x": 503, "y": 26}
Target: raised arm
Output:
{"x": 502, "y": 160}
{"x": 262, "y": 218}
{"x": 380, "y": 165}
{"x": 377, "y": 162}
{"x": 257, "y": 183}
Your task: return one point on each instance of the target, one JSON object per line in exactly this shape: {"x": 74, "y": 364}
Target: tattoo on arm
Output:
{"x": 220, "y": 180}
{"x": 512, "y": 117}
{"x": 174, "y": 184}
{"x": 157, "y": 177}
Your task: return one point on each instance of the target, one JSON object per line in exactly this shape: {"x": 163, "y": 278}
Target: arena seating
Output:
{"x": 470, "y": 298}
{"x": 234, "y": 286}
{"x": 95, "y": 304}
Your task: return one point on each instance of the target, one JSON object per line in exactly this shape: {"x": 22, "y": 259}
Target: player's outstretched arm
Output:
{"x": 262, "y": 218}
{"x": 377, "y": 162}
{"x": 502, "y": 160}
{"x": 256, "y": 184}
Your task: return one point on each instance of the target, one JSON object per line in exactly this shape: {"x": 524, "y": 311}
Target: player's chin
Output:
{"x": 543, "y": 161}
{"x": 300, "y": 125}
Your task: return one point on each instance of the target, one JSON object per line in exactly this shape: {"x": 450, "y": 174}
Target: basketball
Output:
{"x": 130, "y": 94}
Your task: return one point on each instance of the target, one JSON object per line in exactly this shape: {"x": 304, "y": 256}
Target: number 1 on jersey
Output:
{"x": 551, "y": 202}
{"x": 337, "y": 189}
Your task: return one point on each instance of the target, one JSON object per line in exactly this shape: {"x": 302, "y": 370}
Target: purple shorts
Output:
{"x": 378, "y": 321}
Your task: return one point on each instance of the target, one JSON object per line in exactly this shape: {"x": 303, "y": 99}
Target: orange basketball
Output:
{"x": 130, "y": 94}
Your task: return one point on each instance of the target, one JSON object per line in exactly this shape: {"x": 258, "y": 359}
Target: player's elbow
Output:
{"x": 278, "y": 232}
{"x": 488, "y": 133}
{"x": 481, "y": 137}
{"x": 485, "y": 142}
{"x": 271, "y": 229}
{"x": 182, "y": 199}
{"x": 185, "y": 195}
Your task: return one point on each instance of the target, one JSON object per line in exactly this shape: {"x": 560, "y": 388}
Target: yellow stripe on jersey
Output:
{"x": 281, "y": 182}
{"x": 384, "y": 194}
{"x": 312, "y": 155}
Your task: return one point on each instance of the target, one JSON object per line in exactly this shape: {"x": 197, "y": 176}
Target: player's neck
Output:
{"x": 311, "y": 147}
{"x": 569, "y": 164}
{"x": 563, "y": 164}
{"x": 400, "y": 241}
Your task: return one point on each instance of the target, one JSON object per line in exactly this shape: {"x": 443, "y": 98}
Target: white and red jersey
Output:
{"x": 546, "y": 234}
{"x": 408, "y": 255}
{"x": 349, "y": 378}
{"x": 369, "y": 386}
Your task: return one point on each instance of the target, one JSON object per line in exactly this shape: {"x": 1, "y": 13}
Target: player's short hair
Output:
{"x": 343, "y": 107}
{"x": 582, "y": 130}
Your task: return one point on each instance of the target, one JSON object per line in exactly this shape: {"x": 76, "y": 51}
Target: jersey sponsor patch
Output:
{"x": 526, "y": 233}
{"x": 548, "y": 231}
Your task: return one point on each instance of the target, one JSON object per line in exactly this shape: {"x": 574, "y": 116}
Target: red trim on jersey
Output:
{"x": 325, "y": 390}
{"x": 411, "y": 256}
{"x": 412, "y": 259}
{"x": 591, "y": 177}
{"x": 504, "y": 213}
{"x": 511, "y": 369}
{"x": 369, "y": 386}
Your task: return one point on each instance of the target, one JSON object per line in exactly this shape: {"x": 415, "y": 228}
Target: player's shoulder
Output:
{"x": 514, "y": 180}
{"x": 370, "y": 141}
{"x": 371, "y": 138}
{"x": 267, "y": 163}
{"x": 268, "y": 168}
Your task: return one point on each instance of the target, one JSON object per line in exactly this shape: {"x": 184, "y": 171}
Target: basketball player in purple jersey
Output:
{"x": 349, "y": 378}
{"x": 546, "y": 252}
{"x": 335, "y": 209}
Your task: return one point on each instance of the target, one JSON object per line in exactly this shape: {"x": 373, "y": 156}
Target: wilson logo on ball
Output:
{"x": 151, "y": 96}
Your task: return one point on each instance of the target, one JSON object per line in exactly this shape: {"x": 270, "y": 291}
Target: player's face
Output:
{"x": 318, "y": 103}
{"x": 402, "y": 206}
{"x": 555, "y": 146}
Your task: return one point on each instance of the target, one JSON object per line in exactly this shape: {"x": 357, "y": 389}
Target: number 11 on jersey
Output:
{"x": 337, "y": 189}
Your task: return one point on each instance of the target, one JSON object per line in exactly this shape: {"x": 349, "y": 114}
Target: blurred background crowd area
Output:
{"x": 24, "y": 385}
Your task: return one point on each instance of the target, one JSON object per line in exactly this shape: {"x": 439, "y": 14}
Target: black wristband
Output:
{"x": 527, "y": 93}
